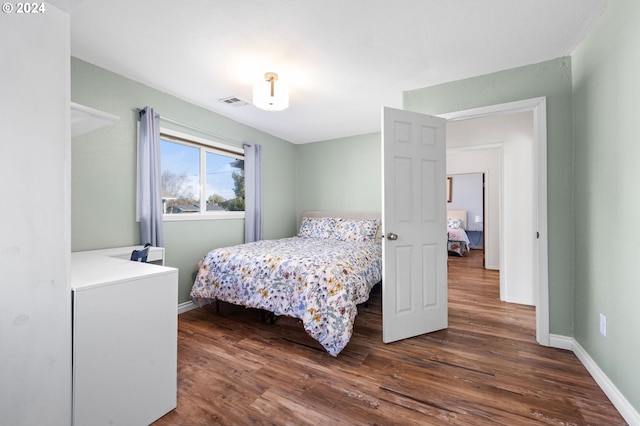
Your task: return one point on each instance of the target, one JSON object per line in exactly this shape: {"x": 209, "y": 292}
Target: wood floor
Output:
{"x": 485, "y": 369}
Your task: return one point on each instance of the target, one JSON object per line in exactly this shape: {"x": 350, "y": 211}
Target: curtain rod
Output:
{"x": 197, "y": 129}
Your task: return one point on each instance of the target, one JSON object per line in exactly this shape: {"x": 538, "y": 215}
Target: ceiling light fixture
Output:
{"x": 270, "y": 94}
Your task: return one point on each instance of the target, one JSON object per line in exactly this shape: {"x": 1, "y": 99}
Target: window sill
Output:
{"x": 197, "y": 216}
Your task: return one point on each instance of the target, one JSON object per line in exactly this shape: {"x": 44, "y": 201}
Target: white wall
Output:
{"x": 35, "y": 314}
{"x": 512, "y": 222}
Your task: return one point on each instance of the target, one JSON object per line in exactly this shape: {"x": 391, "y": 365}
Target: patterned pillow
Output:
{"x": 454, "y": 223}
{"x": 317, "y": 227}
{"x": 356, "y": 230}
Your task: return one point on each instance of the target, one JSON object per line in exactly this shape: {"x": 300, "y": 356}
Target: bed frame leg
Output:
{"x": 376, "y": 287}
{"x": 268, "y": 317}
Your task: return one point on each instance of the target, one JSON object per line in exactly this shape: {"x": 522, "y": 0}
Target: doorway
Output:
{"x": 532, "y": 228}
{"x": 469, "y": 196}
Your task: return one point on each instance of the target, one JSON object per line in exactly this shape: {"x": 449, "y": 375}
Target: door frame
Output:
{"x": 538, "y": 106}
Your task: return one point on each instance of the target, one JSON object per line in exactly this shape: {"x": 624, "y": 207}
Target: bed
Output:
{"x": 319, "y": 276}
{"x": 458, "y": 240}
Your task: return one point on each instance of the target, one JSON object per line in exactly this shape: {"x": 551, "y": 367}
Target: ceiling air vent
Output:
{"x": 233, "y": 101}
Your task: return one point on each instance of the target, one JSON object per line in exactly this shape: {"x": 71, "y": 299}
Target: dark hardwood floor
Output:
{"x": 485, "y": 369}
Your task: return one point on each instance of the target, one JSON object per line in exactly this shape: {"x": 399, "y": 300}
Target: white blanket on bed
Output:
{"x": 458, "y": 234}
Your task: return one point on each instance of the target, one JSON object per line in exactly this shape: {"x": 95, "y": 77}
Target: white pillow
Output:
{"x": 454, "y": 223}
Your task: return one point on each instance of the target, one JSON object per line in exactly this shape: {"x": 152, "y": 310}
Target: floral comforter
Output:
{"x": 458, "y": 241}
{"x": 319, "y": 281}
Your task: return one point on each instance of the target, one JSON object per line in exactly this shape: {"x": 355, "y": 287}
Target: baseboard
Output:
{"x": 627, "y": 411}
{"x": 519, "y": 301}
{"x": 186, "y": 307}
{"x": 561, "y": 342}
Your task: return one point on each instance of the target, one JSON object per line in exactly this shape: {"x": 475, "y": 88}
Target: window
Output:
{"x": 200, "y": 178}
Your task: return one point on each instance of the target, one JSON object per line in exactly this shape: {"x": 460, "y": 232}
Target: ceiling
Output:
{"x": 343, "y": 59}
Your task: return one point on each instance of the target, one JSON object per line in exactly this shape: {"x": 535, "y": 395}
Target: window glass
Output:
{"x": 224, "y": 183}
{"x": 195, "y": 169}
{"x": 180, "y": 178}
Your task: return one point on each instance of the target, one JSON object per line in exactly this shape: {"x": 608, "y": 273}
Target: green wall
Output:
{"x": 103, "y": 173}
{"x": 340, "y": 174}
{"x": 606, "y": 76}
{"x": 553, "y": 80}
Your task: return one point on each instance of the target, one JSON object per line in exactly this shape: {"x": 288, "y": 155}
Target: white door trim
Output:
{"x": 539, "y": 108}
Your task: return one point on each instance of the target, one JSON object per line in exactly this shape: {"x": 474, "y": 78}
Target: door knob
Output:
{"x": 391, "y": 236}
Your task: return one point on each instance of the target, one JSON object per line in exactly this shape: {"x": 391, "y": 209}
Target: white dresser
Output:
{"x": 124, "y": 338}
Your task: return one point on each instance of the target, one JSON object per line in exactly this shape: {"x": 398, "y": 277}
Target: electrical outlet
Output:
{"x": 603, "y": 325}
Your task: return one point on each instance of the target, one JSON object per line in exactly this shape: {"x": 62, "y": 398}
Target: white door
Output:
{"x": 414, "y": 252}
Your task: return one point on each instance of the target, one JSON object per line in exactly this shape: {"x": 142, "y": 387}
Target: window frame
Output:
{"x": 204, "y": 146}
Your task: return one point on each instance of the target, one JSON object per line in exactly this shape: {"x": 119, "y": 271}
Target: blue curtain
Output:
{"x": 252, "y": 192}
{"x": 150, "y": 183}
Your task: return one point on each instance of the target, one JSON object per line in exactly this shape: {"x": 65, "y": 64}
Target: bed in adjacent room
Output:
{"x": 319, "y": 276}
{"x": 458, "y": 240}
